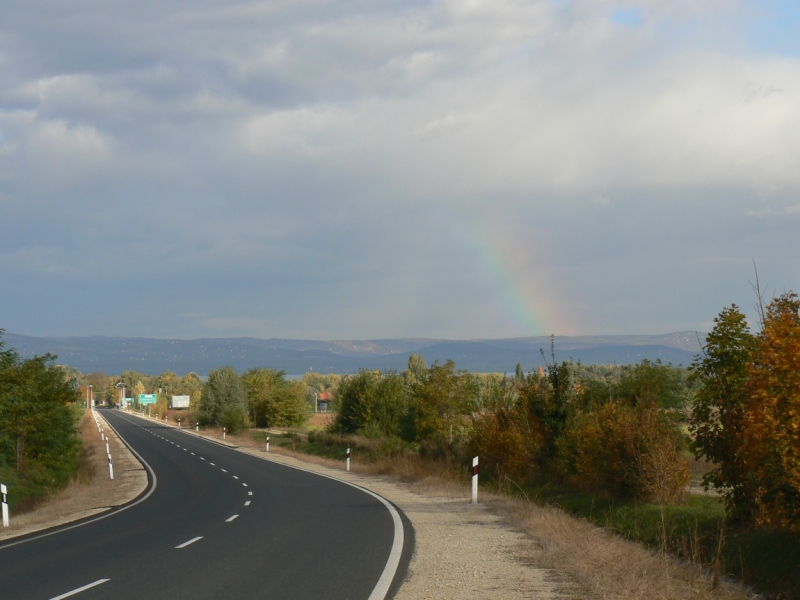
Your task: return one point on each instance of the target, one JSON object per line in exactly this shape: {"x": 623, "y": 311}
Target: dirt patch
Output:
{"x": 90, "y": 491}
{"x": 320, "y": 419}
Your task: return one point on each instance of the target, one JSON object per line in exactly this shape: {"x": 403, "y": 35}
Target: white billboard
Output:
{"x": 180, "y": 402}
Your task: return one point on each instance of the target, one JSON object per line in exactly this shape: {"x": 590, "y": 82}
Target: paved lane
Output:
{"x": 219, "y": 524}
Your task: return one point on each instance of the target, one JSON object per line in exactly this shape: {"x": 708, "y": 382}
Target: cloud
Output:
{"x": 304, "y": 167}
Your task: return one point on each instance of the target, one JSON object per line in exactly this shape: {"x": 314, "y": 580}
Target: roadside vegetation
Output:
{"x": 702, "y": 463}
{"x": 39, "y": 413}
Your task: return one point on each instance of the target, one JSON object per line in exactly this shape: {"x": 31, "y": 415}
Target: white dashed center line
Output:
{"x": 80, "y": 589}
{"x": 191, "y": 541}
{"x": 235, "y": 477}
{"x": 249, "y": 493}
{"x": 229, "y": 519}
{"x": 224, "y": 471}
{"x": 244, "y": 484}
{"x": 247, "y": 503}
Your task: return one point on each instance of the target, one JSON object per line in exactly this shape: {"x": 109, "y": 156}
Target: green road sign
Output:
{"x": 148, "y": 398}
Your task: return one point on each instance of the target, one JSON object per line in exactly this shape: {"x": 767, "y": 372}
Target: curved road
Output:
{"x": 217, "y": 524}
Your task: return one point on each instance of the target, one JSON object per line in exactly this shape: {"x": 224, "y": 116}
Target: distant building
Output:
{"x": 324, "y": 400}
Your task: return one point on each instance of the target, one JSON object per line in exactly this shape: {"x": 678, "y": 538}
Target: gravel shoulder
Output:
{"x": 80, "y": 500}
{"x": 461, "y": 550}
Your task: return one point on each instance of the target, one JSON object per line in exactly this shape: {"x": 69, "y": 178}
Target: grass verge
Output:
{"x": 768, "y": 561}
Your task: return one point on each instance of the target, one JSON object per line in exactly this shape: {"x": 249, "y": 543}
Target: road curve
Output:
{"x": 217, "y": 524}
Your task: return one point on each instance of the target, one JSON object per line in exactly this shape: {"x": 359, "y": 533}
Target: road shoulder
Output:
{"x": 81, "y": 500}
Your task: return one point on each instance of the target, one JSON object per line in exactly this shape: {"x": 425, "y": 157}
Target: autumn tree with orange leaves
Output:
{"x": 746, "y": 414}
{"x": 771, "y": 449}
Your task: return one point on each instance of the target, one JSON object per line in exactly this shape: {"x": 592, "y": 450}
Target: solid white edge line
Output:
{"x": 80, "y": 589}
{"x": 107, "y": 514}
{"x": 229, "y": 519}
{"x": 191, "y": 541}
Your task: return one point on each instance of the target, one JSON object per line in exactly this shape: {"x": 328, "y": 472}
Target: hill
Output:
{"x": 154, "y": 356}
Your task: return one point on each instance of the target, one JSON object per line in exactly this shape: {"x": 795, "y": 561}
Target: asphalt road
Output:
{"x": 218, "y": 524}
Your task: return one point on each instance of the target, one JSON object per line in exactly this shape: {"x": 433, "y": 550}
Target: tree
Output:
{"x": 272, "y": 400}
{"x": 371, "y": 403}
{"x": 167, "y": 383}
{"x": 416, "y": 369}
{"x": 354, "y": 399}
{"x": 771, "y": 423}
{"x": 138, "y": 390}
{"x": 652, "y": 383}
{"x": 36, "y": 420}
{"x": 223, "y": 400}
{"x": 550, "y": 399}
{"x": 717, "y": 417}
{"x": 443, "y": 397}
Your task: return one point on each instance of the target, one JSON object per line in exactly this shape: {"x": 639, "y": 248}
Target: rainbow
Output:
{"x": 527, "y": 293}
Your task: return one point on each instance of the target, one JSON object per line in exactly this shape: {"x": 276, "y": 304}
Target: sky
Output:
{"x": 362, "y": 170}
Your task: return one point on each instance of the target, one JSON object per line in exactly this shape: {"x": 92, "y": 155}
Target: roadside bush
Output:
{"x": 629, "y": 452}
{"x": 233, "y": 418}
{"x": 505, "y": 445}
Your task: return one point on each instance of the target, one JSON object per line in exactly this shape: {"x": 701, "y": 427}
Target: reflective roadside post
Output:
{"x": 475, "y": 480}
{"x": 4, "y": 492}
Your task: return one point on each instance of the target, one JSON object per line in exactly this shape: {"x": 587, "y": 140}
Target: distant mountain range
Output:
{"x": 153, "y": 356}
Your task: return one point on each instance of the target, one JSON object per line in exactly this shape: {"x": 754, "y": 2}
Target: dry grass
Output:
{"x": 87, "y": 459}
{"x": 610, "y": 565}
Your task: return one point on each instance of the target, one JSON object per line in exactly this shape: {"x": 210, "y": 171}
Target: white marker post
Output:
{"x": 110, "y": 467}
{"x": 4, "y": 491}
{"x": 224, "y": 431}
{"x": 108, "y": 451}
{"x": 179, "y": 423}
{"x": 475, "y": 480}
{"x": 348, "y": 459}
{"x": 267, "y": 443}
{"x": 197, "y": 427}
